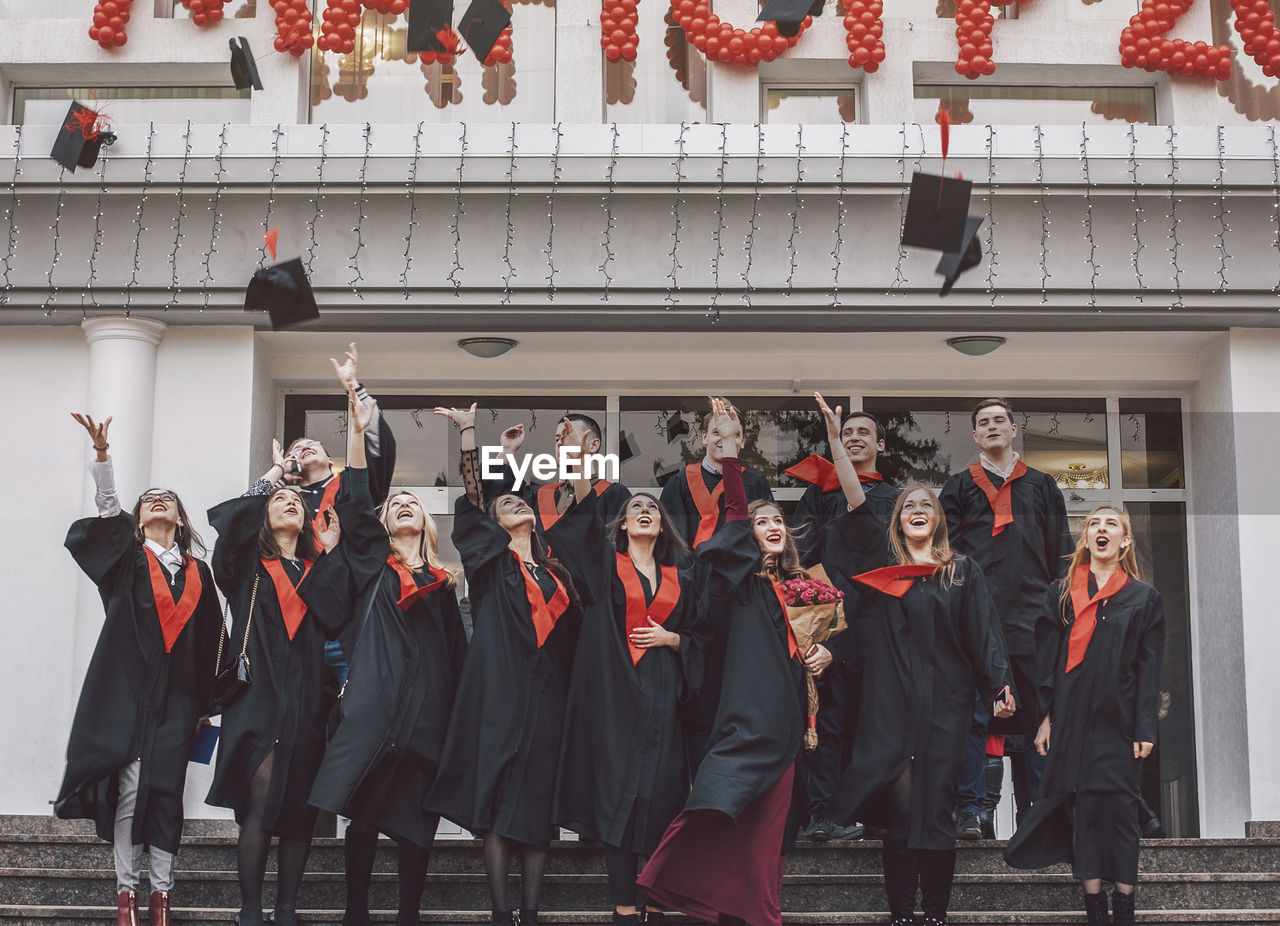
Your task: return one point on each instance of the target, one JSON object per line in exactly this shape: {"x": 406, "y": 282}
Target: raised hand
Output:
{"x": 347, "y": 369}
{"x": 97, "y": 432}
{"x": 289, "y": 468}
{"x": 832, "y": 419}
{"x": 362, "y": 414}
{"x": 725, "y": 422}
{"x": 462, "y": 417}
{"x": 331, "y": 530}
{"x": 512, "y": 438}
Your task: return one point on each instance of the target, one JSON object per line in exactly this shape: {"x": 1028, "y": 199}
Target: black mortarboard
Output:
{"x": 936, "y": 221}
{"x": 481, "y": 25}
{"x": 244, "y": 70}
{"x": 663, "y": 476}
{"x": 284, "y": 291}
{"x": 426, "y": 18}
{"x": 954, "y": 263}
{"x": 788, "y": 14}
{"x": 80, "y": 139}
{"x": 627, "y": 447}
{"x": 676, "y": 427}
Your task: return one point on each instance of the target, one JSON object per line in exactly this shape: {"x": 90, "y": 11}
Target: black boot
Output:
{"x": 1148, "y": 822}
{"x": 655, "y": 918}
{"x": 626, "y": 919}
{"x": 502, "y": 918}
{"x": 937, "y": 871}
{"x": 901, "y": 877}
{"x": 528, "y": 917}
{"x": 359, "y": 848}
{"x": 1095, "y": 909}
{"x": 1121, "y": 909}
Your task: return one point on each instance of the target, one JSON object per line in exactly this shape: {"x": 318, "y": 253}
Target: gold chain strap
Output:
{"x": 244, "y": 646}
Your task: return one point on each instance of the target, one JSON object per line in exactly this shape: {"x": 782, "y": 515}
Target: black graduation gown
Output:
{"x": 1023, "y": 559}
{"x": 678, "y": 502}
{"x": 817, "y": 508}
{"x": 612, "y": 501}
{"x": 759, "y": 726}
{"x": 1099, "y": 709}
{"x": 926, "y": 652}
{"x": 137, "y": 700}
{"x": 381, "y": 457}
{"x": 286, "y": 704}
{"x": 497, "y": 770}
{"x": 394, "y": 711}
{"x": 622, "y": 752}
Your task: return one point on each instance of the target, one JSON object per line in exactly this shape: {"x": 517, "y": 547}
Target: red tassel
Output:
{"x": 451, "y": 41}
{"x": 944, "y": 123}
{"x": 87, "y": 122}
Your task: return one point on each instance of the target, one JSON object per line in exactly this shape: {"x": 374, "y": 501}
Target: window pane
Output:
{"x": 1169, "y": 776}
{"x": 381, "y": 81}
{"x": 48, "y": 9}
{"x": 806, "y": 105}
{"x": 930, "y": 438}
{"x": 667, "y": 83}
{"x": 134, "y": 105}
{"x": 1035, "y": 104}
{"x": 1151, "y": 443}
{"x": 779, "y": 432}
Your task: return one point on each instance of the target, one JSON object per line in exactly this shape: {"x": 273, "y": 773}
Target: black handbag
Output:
{"x": 230, "y": 682}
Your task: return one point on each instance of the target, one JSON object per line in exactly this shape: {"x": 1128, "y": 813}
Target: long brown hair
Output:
{"x": 668, "y": 550}
{"x": 307, "y": 540}
{"x": 939, "y": 544}
{"x": 428, "y": 540}
{"x": 785, "y": 564}
{"x": 188, "y": 541}
{"x": 539, "y": 552}
{"x": 1128, "y": 557}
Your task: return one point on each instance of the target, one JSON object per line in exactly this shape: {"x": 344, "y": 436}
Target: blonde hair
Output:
{"x": 428, "y": 540}
{"x": 939, "y": 544}
{"x": 785, "y": 564}
{"x": 1081, "y": 555}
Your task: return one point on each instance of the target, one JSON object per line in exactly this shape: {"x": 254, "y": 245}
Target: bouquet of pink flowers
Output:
{"x": 815, "y": 614}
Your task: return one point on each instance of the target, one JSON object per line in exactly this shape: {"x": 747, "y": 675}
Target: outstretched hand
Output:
{"x": 330, "y": 531}
{"x": 832, "y": 419}
{"x": 462, "y": 417}
{"x": 512, "y": 438}
{"x": 361, "y": 413}
{"x": 97, "y": 432}
{"x": 725, "y": 421}
{"x": 347, "y": 369}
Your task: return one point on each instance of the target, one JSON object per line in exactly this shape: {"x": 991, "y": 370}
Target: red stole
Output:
{"x": 547, "y": 513}
{"x": 1086, "y": 610}
{"x": 326, "y": 502}
{"x": 409, "y": 589}
{"x": 1000, "y": 500}
{"x": 173, "y": 614}
{"x": 821, "y": 472}
{"x": 707, "y": 503}
{"x": 793, "y": 648}
{"x": 895, "y": 580}
{"x": 292, "y": 606}
{"x": 639, "y": 613}
{"x": 545, "y": 613}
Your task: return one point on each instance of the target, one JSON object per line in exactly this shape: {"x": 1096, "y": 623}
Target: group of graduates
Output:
{"x": 631, "y": 674}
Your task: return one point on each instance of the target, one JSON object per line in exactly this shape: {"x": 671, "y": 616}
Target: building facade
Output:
{"x": 649, "y": 233}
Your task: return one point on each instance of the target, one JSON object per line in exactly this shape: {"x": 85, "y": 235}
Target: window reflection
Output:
{"x": 1035, "y": 105}
{"x": 1252, "y": 94}
{"x": 667, "y": 83}
{"x": 382, "y": 81}
{"x": 134, "y": 105}
{"x": 810, "y": 105}
{"x": 1151, "y": 443}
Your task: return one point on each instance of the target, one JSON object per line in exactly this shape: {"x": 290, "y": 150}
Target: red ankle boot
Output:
{"x": 158, "y": 909}
{"x": 127, "y": 908}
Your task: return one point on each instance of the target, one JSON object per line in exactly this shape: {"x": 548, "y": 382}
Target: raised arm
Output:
{"x": 379, "y": 443}
{"x": 465, "y": 419}
{"x": 849, "y": 482}
{"x": 724, "y": 418}
{"x": 104, "y": 495}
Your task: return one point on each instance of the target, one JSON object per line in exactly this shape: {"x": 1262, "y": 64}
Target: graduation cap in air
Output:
{"x": 426, "y": 18}
{"x": 481, "y": 25}
{"x": 954, "y": 263}
{"x": 676, "y": 427}
{"x": 80, "y": 138}
{"x": 285, "y": 292}
{"x": 627, "y": 447}
{"x": 788, "y": 14}
{"x": 663, "y": 475}
{"x": 244, "y": 70}
{"x": 937, "y": 210}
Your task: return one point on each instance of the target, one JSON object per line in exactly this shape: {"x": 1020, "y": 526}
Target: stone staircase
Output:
{"x": 53, "y": 871}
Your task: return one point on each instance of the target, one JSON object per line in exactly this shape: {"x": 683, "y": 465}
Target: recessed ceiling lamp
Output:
{"x": 975, "y": 345}
{"x": 487, "y": 347}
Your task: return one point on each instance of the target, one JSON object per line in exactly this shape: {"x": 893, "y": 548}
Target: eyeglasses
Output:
{"x": 166, "y": 497}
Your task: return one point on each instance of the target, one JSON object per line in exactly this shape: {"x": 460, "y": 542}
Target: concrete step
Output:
{"x": 1024, "y": 891}
{"x": 191, "y": 916}
{"x": 217, "y": 852}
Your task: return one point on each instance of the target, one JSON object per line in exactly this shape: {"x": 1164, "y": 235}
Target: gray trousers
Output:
{"x": 128, "y": 855}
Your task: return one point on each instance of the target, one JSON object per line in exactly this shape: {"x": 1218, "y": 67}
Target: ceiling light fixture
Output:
{"x": 975, "y": 345}
{"x": 487, "y": 347}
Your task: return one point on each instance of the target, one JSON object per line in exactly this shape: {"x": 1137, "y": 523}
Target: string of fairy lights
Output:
{"x": 785, "y": 273}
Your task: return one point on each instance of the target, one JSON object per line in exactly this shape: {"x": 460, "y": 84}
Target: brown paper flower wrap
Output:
{"x": 815, "y": 612}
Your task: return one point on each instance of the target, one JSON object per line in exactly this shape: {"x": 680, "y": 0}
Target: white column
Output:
{"x": 122, "y": 384}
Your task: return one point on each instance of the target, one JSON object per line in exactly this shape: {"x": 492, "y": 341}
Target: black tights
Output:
{"x": 251, "y": 853}
{"x": 360, "y": 847}
{"x": 497, "y": 866}
{"x": 905, "y": 870}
